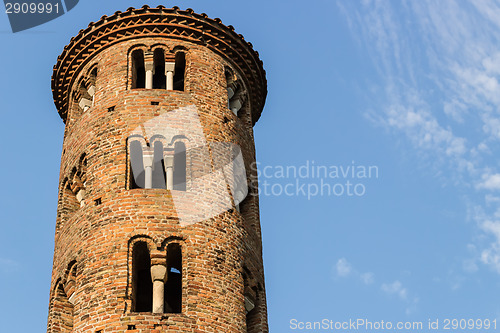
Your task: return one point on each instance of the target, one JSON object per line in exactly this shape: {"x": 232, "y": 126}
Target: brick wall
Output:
{"x": 91, "y": 289}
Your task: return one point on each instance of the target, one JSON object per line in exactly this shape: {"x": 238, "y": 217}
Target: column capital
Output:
{"x": 159, "y": 273}
{"x": 169, "y": 161}
{"x": 147, "y": 158}
{"x": 169, "y": 67}
{"x": 149, "y": 66}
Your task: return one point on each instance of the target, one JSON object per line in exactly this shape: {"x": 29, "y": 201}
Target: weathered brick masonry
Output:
{"x": 109, "y": 233}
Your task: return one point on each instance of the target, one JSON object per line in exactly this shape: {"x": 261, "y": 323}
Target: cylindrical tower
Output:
{"x": 157, "y": 225}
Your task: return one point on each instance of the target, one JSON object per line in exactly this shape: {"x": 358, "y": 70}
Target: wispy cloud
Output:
{"x": 395, "y": 288}
{"x": 343, "y": 269}
{"x": 490, "y": 182}
{"x": 8, "y": 265}
{"x": 440, "y": 64}
{"x": 367, "y": 278}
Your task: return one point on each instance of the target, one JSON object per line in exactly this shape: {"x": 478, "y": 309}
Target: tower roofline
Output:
{"x": 173, "y": 23}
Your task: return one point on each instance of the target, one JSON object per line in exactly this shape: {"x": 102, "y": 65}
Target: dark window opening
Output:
{"x": 111, "y": 109}
{"x": 230, "y": 86}
{"x": 142, "y": 285}
{"x": 252, "y": 321}
{"x": 173, "y": 287}
{"x": 137, "y": 176}
{"x": 93, "y": 76}
{"x": 159, "y": 78}
{"x": 98, "y": 201}
{"x": 92, "y": 80}
{"x": 179, "y": 166}
{"x": 251, "y": 300}
{"x": 155, "y": 103}
{"x": 159, "y": 175}
{"x": 180, "y": 68}
{"x": 84, "y": 91}
{"x": 138, "y": 70}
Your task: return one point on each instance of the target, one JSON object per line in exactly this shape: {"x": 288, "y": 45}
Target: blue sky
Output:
{"x": 410, "y": 87}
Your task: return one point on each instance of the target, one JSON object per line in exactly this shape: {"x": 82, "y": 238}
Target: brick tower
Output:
{"x": 157, "y": 227}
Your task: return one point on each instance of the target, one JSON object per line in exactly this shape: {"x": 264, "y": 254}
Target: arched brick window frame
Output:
{"x": 161, "y": 154}
{"x": 62, "y": 303}
{"x": 237, "y": 95}
{"x": 136, "y": 77}
{"x": 140, "y": 287}
{"x": 160, "y": 52}
{"x": 175, "y": 288}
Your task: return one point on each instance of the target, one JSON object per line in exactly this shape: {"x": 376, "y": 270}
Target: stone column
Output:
{"x": 147, "y": 159}
{"x": 169, "y": 170}
{"x": 159, "y": 276}
{"x": 169, "y": 73}
{"x": 149, "y": 66}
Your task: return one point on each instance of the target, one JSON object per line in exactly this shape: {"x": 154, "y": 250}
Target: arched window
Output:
{"x": 70, "y": 285}
{"x": 138, "y": 70}
{"x": 173, "y": 286}
{"x": 137, "y": 177}
{"x": 159, "y": 176}
{"x": 142, "y": 285}
{"x": 70, "y": 203}
{"x": 93, "y": 76}
{"x": 159, "y": 78}
{"x": 180, "y": 69}
{"x": 236, "y": 94}
{"x": 156, "y": 165}
{"x": 85, "y": 101}
{"x": 179, "y": 166}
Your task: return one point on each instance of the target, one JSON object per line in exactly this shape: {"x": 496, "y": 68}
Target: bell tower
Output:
{"x": 157, "y": 225}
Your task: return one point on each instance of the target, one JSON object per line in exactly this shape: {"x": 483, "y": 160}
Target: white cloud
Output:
{"x": 492, "y": 64}
{"x": 439, "y": 62}
{"x": 493, "y": 227}
{"x": 395, "y": 288}
{"x": 455, "y": 110}
{"x": 491, "y": 256}
{"x": 367, "y": 278}
{"x": 343, "y": 267}
{"x": 490, "y": 182}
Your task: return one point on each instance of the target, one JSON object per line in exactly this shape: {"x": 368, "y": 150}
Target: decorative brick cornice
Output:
{"x": 164, "y": 22}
